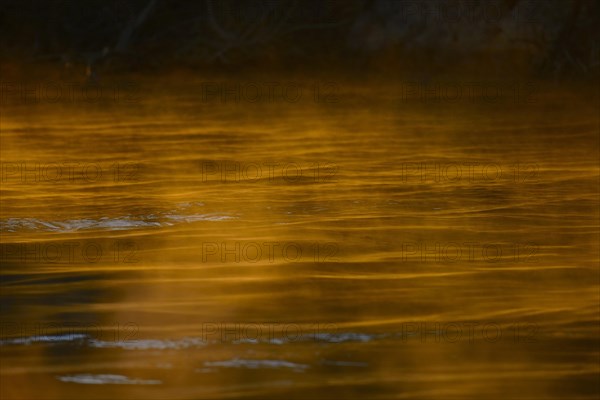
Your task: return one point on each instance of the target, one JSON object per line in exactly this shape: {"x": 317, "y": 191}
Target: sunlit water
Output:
{"x": 365, "y": 247}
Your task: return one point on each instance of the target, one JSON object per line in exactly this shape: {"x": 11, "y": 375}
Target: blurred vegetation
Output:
{"x": 554, "y": 38}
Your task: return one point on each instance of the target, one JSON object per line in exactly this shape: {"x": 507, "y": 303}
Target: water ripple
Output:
{"x": 104, "y": 223}
{"x": 147, "y": 344}
{"x": 184, "y": 343}
{"x": 106, "y": 379}
{"x": 45, "y": 339}
{"x": 255, "y": 364}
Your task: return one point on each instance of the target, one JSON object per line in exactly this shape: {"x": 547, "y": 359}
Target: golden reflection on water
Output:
{"x": 426, "y": 251}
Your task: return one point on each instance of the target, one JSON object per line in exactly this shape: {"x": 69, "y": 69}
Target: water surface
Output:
{"x": 370, "y": 246}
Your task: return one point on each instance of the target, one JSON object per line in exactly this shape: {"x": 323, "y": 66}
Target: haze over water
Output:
{"x": 362, "y": 242}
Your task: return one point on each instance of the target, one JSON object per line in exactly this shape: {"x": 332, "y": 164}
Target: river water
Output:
{"x": 340, "y": 241}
